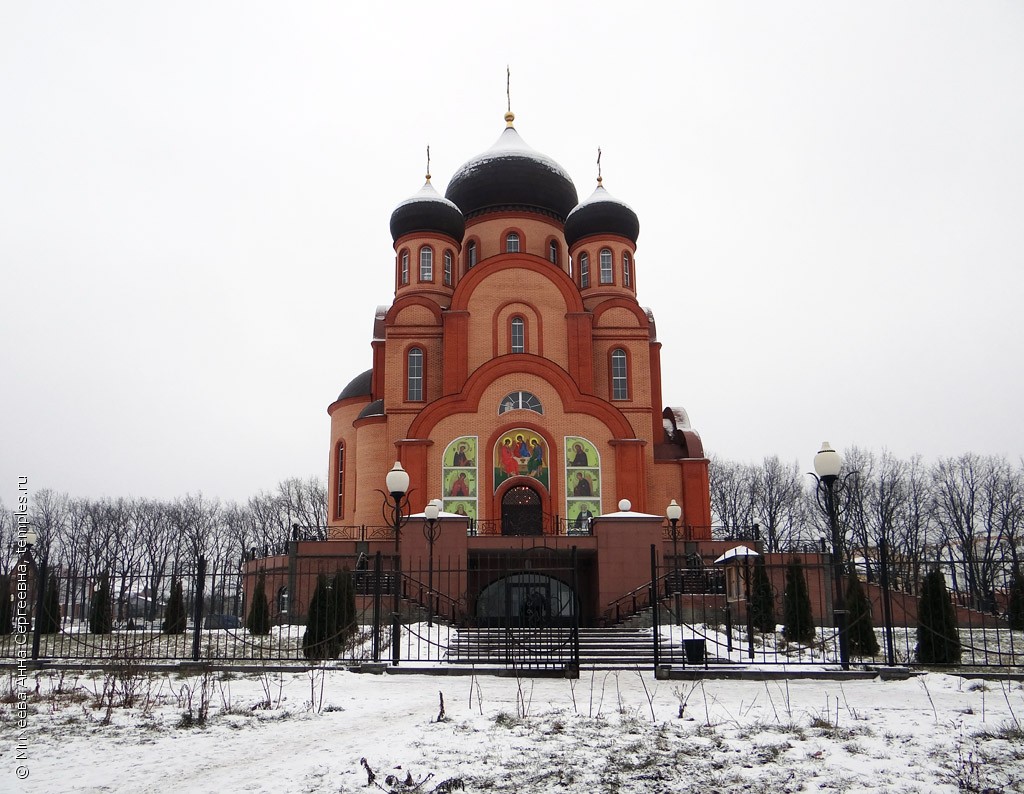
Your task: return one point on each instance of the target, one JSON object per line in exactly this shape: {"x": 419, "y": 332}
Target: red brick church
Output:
{"x": 516, "y": 377}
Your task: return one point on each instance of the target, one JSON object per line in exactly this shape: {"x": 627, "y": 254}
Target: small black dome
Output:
{"x": 601, "y": 214}
{"x": 427, "y": 211}
{"x": 376, "y": 408}
{"x": 511, "y": 174}
{"x": 360, "y": 386}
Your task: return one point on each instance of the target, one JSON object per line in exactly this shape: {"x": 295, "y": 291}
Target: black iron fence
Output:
{"x": 748, "y": 611}
{"x": 512, "y": 608}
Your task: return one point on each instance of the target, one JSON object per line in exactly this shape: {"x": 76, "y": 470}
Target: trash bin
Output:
{"x": 694, "y": 651}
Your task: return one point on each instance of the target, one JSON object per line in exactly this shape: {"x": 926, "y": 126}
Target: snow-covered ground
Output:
{"x": 606, "y": 732}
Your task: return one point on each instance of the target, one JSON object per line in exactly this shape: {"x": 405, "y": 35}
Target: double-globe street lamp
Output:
{"x": 827, "y": 465}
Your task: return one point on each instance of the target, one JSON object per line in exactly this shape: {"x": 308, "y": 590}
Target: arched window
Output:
{"x": 512, "y": 243}
{"x": 471, "y": 254}
{"x": 627, "y": 273}
{"x": 405, "y": 267}
{"x": 426, "y": 264}
{"x": 606, "y": 266}
{"x": 620, "y": 377}
{"x": 339, "y": 505}
{"x": 520, "y": 401}
{"x": 553, "y": 252}
{"x": 414, "y": 376}
{"x": 447, "y": 268}
{"x": 518, "y": 335}
{"x": 584, "y": 271}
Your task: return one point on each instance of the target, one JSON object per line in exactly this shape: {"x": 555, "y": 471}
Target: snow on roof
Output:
{"x": 600, "y": 194}
{"x": 737, "y": 552}
{"x": 509, "y": 144}
{"x": 428, "y": 193}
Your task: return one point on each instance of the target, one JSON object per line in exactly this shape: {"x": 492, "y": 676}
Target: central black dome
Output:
{"x": 512, "y": 175}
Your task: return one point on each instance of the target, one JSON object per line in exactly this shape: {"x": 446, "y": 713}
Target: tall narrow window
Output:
{"x": 426, "y": 264}
{"x": 339, "y": 505}
{"x": 447, "y": 268}
{"x": 512, "y": 243}
{"x": 414, "y": 379}
{"x": 606, "y": 266}
{"x": 584, "y": 271}
{"x": 627, "y": 273}
{"x": 471, "y": 254}
{"x": 405, "y": 267}
{"x": 553, "y": 252}
{"x": 620, "y": 378}
{"x": 518, "y": 335}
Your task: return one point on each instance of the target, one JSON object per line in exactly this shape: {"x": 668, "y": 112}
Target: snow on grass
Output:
{"x": 606, "y": 732}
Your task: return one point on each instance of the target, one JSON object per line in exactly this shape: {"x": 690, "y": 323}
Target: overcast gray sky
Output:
{"x": 194, "y": 205}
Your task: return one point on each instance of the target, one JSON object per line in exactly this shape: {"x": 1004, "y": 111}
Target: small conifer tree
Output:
{"x": 798, "y": 620}
{"x": 258, "y": 621}
{"x": 343, "y": 616}
{"x": 938, "y": 641}
{"x": 101, "y": 617}
{"x": 1015, "y": 607}
{"x": 762, "y": 598}
{"x": 860, "y": 628}
{"x": 175, "y": 619}
{"x": 50, "y": 619}
{"x": 6, "y": 607}
{"x": 316, "y": 639}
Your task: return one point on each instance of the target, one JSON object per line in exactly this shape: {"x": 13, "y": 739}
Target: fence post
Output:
{"x": 890, "y": 650}
{"x": 197, "y": 608}
{"x": 40, "y": 606}
{"x": 575, "y": 616}
{"x": 654, "y": 607}
{"x": 376, "y": 606}
{"x": 396, "y": 630}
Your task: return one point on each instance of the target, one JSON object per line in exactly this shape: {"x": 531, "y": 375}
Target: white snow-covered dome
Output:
{"x": 512, "y": 175}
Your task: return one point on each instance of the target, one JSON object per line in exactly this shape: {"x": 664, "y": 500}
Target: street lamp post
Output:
{"x": 396, "y": 502}
{"x": 673, "y": 513}
{"x": 827, "y": 465}
{"x": 431, "y": 531}
{"x": 396, "y": 513}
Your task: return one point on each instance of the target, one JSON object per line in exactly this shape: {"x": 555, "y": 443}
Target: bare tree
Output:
{"x": 779, "y": 503}
{"x": 153, "y": 533}
{"x": 48, "y": 514}
{"x": 8, "y": 540}
{"x": 966, "y": 508}
{"x": 733, "y": 490}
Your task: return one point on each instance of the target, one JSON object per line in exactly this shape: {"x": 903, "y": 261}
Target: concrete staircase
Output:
{"x": 613, "y": 648}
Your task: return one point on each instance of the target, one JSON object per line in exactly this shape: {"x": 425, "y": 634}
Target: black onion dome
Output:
{"x": 601, "y": 214}
{"x": 512, "y": 175}
{"x": 427, "y": 211}
{"x": 360, "y": 386}
{"x": 376, "y": 408}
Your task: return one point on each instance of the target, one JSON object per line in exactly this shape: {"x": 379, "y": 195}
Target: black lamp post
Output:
{"x": 396, "y": 513}
{"x": 396, "y": 502}
{"x": 431, "y": 531}
{"x": 827, "y": 465}
{"x": 673, "y": 513}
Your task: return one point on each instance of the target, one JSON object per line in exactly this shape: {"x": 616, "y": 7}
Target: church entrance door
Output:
{"x": 521, "y": 512}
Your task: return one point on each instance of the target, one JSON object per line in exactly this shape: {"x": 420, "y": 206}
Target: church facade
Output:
{"x": 517, "y": 378}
